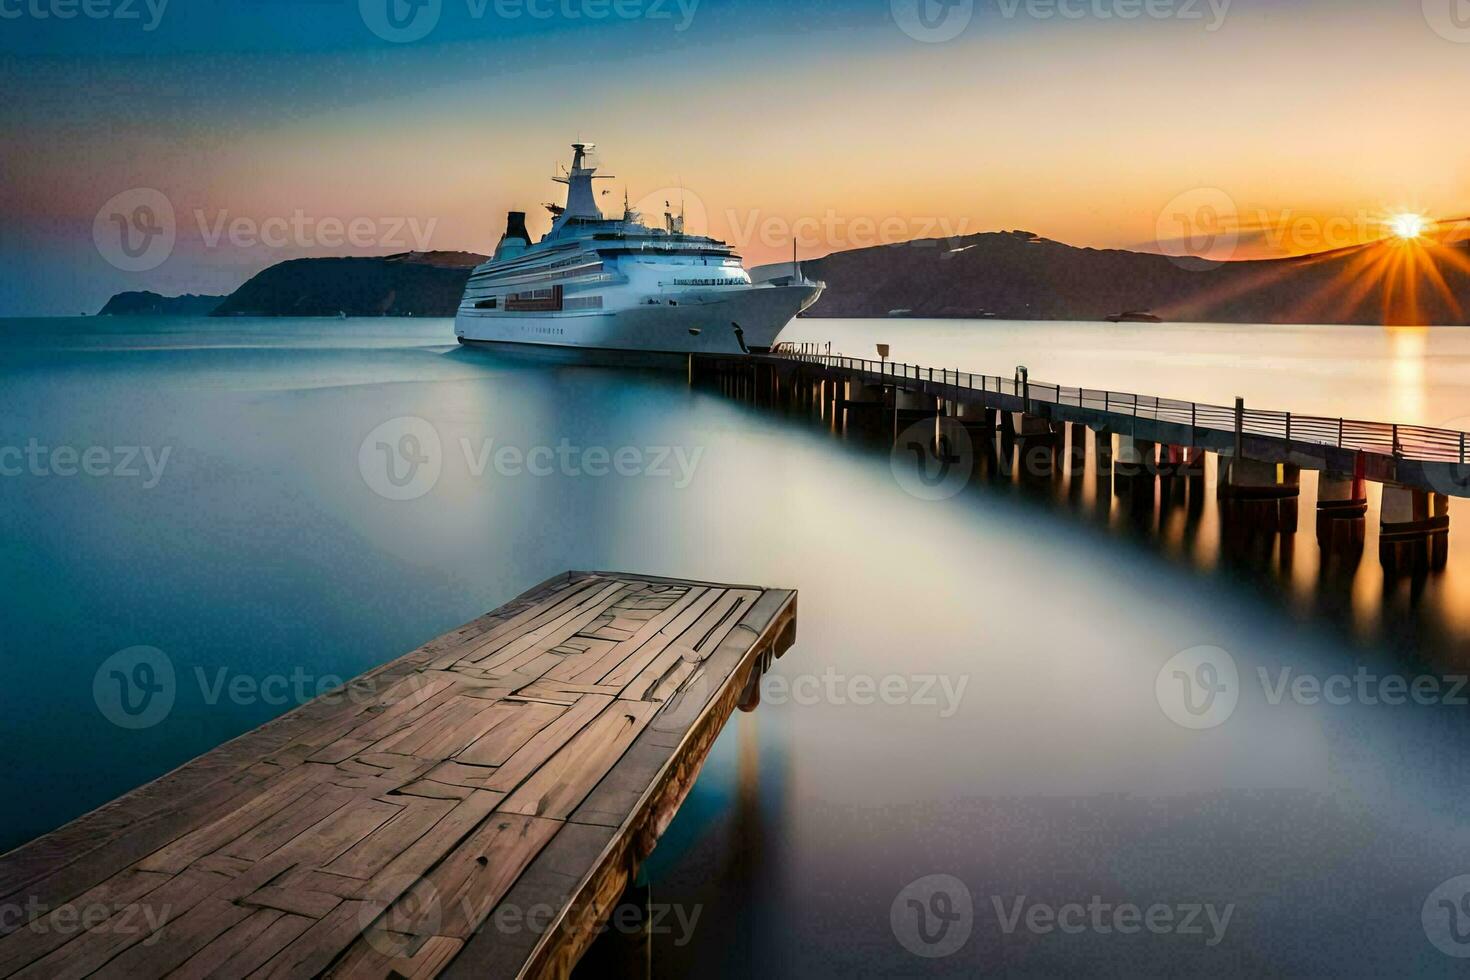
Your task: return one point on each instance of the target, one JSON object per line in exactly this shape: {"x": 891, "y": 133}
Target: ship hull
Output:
{"x": 694, "y": 324}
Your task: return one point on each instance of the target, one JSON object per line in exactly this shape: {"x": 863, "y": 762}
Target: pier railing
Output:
{"x": 1416, "y": 442}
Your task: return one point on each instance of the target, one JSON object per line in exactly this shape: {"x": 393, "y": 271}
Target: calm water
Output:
{"x": 1019, "y": 628}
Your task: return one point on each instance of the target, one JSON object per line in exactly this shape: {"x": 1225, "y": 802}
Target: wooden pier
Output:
{"x": 1261, "y": 453}
{"x": 407, "y": 824}
{"x": 1410, "y": 455}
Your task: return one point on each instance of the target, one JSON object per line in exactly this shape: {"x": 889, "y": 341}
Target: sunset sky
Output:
{"x": 1312, "y": 120}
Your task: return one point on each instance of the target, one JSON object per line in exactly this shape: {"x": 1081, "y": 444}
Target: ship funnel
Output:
{"x": 515, "y": 226}
{"x": 516, "y": 239}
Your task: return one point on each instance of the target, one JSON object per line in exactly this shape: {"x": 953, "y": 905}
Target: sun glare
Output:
{"x": 1408, "y": 226}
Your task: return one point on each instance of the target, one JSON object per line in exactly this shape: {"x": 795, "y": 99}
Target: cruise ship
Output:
{"x": 618, "y": 284}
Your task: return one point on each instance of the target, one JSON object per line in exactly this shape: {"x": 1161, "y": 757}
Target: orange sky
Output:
{"x": 1312, "y": 120}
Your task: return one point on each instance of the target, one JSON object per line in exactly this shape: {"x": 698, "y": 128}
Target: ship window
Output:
{"x": 583, "y": 303}
{"x": 486, "y": 304}
{"x": 534, "y": 301}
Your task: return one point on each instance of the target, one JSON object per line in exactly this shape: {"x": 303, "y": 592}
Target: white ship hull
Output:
{"x": 698, "y": 324}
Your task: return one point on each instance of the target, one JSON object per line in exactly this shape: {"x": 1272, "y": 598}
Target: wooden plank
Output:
{"x": 394, "y": 955}
{"x": 134, "y": 923}
{"x": 556, "y": 630}
{"x": 374, "y": 834}
{"x": 459, "y": 893}
{"x": 313, "y": 951}
{"x": 544, "y": 744}
{"x": 25, "y": 945}
{"x": 175, "y": 942}
{"x": 514, "y": 724}
{"x": 592, "y": 670}
{"x": 210, "y": 961}
{"x": 564, "y": 781}
{"x": 643, "y": 655}
{"x": 533, "y": 617}
{"x": 372, "y": 854}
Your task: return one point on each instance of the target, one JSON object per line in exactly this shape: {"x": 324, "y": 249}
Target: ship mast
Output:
{"x": 581, "y": 201}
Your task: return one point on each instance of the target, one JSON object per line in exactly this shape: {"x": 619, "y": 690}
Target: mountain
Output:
{"x": 1017, "y": 275}
{"x": 152, "y": 304}
{"x": 407, "y": 284}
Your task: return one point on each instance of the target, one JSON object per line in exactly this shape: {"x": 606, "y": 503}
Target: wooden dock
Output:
{"x": 1408, "y": 455}
{"x": 529, "y": 759}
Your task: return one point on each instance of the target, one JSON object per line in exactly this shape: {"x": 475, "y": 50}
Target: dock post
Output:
{"x": 1239, "y": 427}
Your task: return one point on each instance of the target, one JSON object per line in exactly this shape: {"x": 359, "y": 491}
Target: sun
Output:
{"x": 1408, "y": 226}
